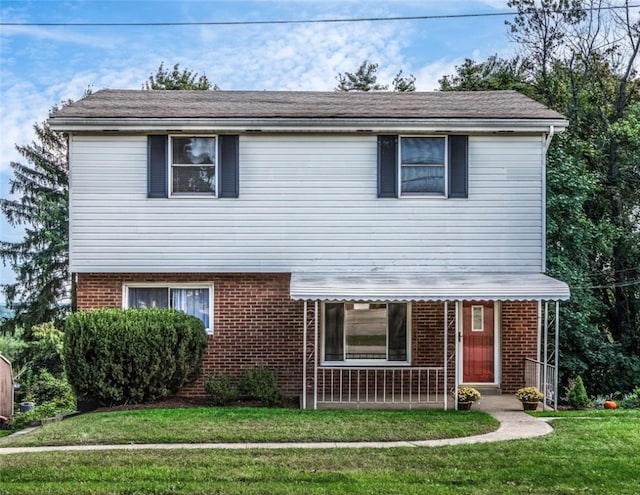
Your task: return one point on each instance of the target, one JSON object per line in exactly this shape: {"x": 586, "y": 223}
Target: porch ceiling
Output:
{"x": 427, "y": 287}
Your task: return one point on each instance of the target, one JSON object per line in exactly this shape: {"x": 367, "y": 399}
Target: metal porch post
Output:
{"x": 456, "y": 343}
{"x": 557, "y": 358}
{"x": 545, "y": 360}
{"x": 304, "y": 357}
{"x": 315, "y": 356}
{"x": 446, "y": 363}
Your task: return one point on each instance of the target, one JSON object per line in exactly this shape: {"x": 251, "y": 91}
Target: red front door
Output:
{"x": 478, "y": 346}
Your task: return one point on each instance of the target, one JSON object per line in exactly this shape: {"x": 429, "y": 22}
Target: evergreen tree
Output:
{"x": 39, "y": 201}
{"x": 40, "y": 261}
{"x": 365, "y": 78}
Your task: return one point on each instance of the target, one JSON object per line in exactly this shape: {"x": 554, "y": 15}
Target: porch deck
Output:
{"x": 492, "y": 400}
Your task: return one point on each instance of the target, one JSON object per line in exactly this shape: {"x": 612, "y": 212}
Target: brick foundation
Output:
{"x": 257, "y": 324}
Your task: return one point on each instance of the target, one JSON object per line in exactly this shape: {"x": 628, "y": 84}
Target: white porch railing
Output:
{"x": 374, "y": 386}
{"x": 535, "y": 375}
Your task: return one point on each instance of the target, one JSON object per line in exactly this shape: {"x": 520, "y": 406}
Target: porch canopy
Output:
{"x": 426, "y": 287}
{"x": 445, "y": 287}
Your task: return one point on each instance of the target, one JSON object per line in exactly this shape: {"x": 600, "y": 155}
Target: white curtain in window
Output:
{"x": 194, "y": 302}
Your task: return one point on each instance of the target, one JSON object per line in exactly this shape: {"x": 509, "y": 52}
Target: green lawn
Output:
{"x": 587, "y": 454}
{"x": 208, "y": 424}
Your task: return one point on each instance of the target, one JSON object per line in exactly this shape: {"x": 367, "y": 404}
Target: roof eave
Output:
{"x": 467, "y": 125}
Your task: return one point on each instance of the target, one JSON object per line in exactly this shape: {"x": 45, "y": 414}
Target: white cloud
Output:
{"x": 55, "y": 33}
{"x": 302, "y": 57}
{"x": 428, "y": 75}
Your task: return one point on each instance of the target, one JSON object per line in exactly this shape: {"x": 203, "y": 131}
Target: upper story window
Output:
{"x": 193, "y": 165}
{"x": 194, "y": 300}
{"x": 423, "y": 165}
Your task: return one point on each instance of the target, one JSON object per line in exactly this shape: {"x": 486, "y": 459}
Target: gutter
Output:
{"x": 288, "y": 125}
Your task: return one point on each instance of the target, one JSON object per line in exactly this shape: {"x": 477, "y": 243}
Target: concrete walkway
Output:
{"x": 514, "y": 424}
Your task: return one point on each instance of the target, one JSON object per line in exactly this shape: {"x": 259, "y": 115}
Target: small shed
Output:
{"x": 6, "y": 388}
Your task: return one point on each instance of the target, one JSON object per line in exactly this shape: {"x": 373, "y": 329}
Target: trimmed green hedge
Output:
{"x": 131, "y": 356}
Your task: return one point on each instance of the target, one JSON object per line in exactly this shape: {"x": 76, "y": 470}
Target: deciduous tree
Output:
{"x": 580, "y": 57}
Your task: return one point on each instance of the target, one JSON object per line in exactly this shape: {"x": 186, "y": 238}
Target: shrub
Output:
{"x": 115, "y": 356}
{"x": 47, "y": 388}
{"x": 221, "y": 388}
{"x": 261, "y": 384}
{"x": 632, "y": 400}
{"x": 577, "y": 395}
{"x": 61, "y": 405}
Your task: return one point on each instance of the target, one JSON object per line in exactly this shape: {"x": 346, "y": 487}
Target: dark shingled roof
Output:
{"x": 142, "y": 104}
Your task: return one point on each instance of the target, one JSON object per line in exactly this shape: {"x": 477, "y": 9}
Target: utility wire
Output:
{"x": 305, "y": 21}
{"x": 628, "y": 283}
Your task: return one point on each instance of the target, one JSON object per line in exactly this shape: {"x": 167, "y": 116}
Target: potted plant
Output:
{"x": 529, "y": 396}
{"x": 466, "y": 397}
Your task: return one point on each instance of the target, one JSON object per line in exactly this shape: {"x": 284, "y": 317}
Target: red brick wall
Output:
{"x": 256, "y": 324}
{"x": 427, "y": 336}
{"x": 519, "y": 341}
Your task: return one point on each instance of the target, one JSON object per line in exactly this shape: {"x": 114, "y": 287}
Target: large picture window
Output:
{"x": 195, "y": 301}
{"x": 193, "y": 165}
{"x": 422, "y": 165}
{"x": 365, "y": 332}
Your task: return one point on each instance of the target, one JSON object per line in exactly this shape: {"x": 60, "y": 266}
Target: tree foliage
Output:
{"x": 39, "y": 203}
{"x": 365, "y": 78}
{"x": 177, "y": 79}
{"x": 579, "y": 58}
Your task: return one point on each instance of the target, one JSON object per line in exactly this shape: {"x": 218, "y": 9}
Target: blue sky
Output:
{"x": 43, "y": 65}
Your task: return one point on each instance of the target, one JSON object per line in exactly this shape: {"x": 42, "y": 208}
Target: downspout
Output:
{"x": 546, "y": 143}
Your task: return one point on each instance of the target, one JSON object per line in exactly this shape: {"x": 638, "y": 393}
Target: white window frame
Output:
{"x": 168, "y": 286}
{"x": 365, "y": 362}
{"x": 215, "y": 166}
{"x": 442, "y": 195}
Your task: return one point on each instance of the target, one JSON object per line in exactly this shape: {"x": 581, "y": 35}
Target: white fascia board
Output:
{"x": 374, "y": 126}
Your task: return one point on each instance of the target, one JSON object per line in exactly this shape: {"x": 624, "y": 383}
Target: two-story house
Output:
{"x": 371, "y": 248}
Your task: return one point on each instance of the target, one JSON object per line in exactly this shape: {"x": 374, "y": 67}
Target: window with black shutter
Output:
{"x": 423, "y": 166}
{"x": 183, "y": 165}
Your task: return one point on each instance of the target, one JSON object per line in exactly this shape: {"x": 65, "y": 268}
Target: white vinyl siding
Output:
{"x": 306, "y": 203}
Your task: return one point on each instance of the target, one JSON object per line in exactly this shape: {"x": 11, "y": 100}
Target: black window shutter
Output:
{"x": 228, "y": 166}
{"x": 334, "y": 332}
{"x": 458, "y": 166}
{"x": 157, "y": 166}
{"x": 387, "y": 166}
